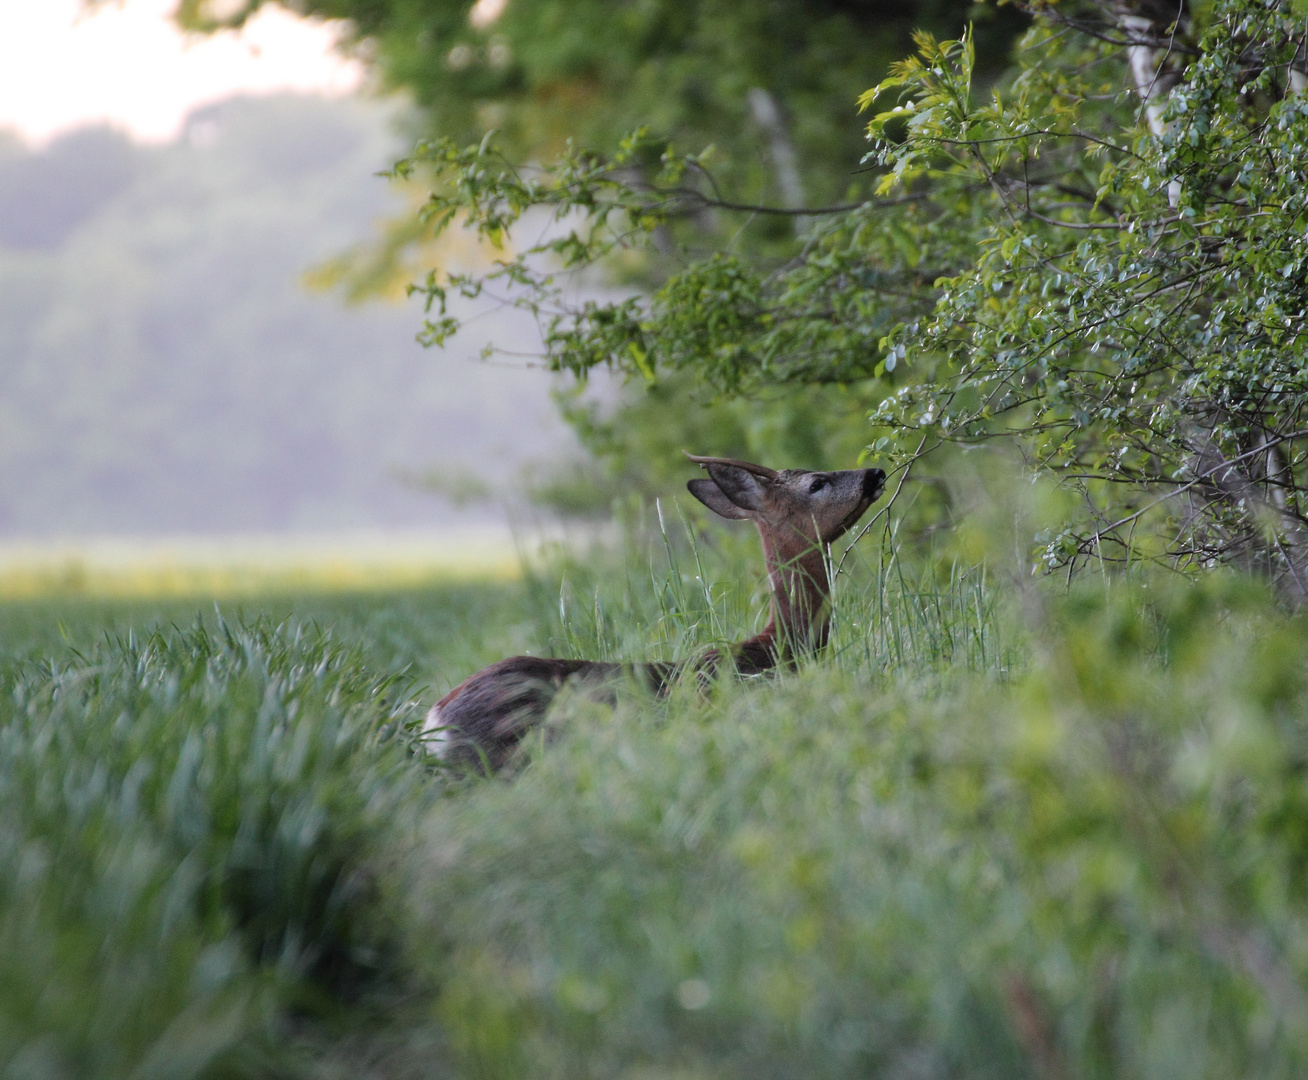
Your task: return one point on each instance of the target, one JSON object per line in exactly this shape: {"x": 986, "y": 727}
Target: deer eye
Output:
{"x": 819, "y": 482}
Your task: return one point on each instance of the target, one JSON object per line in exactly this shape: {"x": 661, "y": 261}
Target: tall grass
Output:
{"x": 892, "y": 614}
{"x": 669, "y": 591}
{"x": 196, "y": 828}
{"x": 1057, "y": 838}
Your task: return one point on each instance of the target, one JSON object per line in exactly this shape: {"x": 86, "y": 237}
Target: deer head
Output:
{"x": 797, "y": 513}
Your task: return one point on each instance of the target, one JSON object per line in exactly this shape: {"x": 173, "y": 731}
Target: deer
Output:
{"x": 798, "y": 513}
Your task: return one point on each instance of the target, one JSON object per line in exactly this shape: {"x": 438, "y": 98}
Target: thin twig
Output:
{"x": 903, "y": 477}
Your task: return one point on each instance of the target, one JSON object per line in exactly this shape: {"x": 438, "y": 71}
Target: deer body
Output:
{"x": 798, "y": 513}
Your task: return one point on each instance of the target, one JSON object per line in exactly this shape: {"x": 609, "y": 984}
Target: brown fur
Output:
{"x": 797, "y": 512}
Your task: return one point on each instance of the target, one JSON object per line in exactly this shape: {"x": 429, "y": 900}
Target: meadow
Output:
{"x": 1003, "y": 828}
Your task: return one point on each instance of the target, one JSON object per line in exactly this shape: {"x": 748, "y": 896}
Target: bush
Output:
{"x": 1094, "y": 870}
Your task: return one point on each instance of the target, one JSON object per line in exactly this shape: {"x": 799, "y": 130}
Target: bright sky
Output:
{"x": 127, "y": 65}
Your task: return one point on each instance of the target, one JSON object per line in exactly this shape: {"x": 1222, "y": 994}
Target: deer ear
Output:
{"x": 739, "y": 485}
{"x": 711, "y": 496}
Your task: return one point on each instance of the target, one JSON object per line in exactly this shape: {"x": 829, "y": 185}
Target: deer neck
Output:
{"x": 799, "y": 615}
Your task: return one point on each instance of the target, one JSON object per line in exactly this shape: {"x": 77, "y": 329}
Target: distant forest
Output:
{"x": 164, "y": 369}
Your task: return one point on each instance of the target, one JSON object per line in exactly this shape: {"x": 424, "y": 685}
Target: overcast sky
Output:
{"x": 126, "y": 64}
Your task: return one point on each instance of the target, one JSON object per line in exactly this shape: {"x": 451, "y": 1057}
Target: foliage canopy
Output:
{"x": 765, "y": 89}
{"x": 1103, "y": 261}
{"x": 542, "y": 73}
{"x": 1100, "y": 258}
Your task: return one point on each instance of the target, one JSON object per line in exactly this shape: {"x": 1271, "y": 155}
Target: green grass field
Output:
{"x": 1000, "y": 830}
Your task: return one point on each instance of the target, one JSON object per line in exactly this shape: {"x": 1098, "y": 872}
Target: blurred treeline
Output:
{"x": 163, "y": 367}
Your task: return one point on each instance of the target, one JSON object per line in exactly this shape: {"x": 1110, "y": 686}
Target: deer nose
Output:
{"x": 874, "y": 480}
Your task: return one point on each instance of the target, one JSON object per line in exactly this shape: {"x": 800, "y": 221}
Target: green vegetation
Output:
{"x": 765, "y": 90}
{"x": 542, "y": 72}
{"x": 1010, "y": 825}
{"x": 1098, "y": 257}
{"x": 998, "y": 830}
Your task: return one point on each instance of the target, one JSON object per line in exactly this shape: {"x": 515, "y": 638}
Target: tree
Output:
{"x": 770, "y": 82}
{"x": 1103, "y": 262}
{"x": 769, "y": 85}
{"x": 1134, "y": 315}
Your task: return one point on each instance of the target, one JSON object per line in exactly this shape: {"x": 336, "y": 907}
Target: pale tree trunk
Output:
{"x": 1150, "y": 27}
{"x": 767, "y": 114}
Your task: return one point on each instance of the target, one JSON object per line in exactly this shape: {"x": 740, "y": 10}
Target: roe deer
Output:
{"x": 798, "y": 513}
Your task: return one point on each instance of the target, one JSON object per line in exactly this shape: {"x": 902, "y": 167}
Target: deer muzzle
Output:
{"x": 874, "y": 482}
